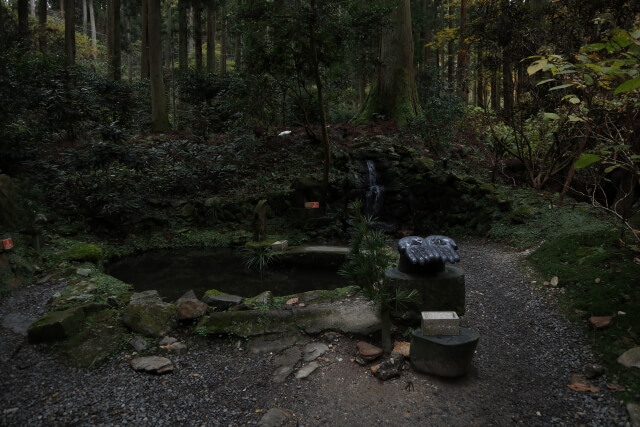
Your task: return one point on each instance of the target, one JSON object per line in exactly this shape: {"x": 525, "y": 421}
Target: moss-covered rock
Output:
{"x": 521, "y": 214}
{"x": 84, "y": 253}
{"x": 152, "y": 318}
{"x": 101, "y": 337}
{"x": 56, "y": 325}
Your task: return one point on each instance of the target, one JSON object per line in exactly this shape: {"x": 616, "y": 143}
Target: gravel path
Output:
{"x": 521, "y": 371}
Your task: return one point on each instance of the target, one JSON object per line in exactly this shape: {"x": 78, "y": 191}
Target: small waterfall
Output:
{"x": 374, "y": 191}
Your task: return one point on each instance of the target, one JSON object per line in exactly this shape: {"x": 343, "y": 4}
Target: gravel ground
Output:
{"x": 521, "y": 371}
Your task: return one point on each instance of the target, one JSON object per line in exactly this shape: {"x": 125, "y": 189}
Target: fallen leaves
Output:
{"x": 580, "y": 384}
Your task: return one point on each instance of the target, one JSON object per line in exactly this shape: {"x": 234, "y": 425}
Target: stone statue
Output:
{"x": 426, "y": 255}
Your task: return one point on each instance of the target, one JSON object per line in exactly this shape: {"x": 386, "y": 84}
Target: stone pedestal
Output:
{"x": 443, "y": 291}
{"x": 445, "y": 356}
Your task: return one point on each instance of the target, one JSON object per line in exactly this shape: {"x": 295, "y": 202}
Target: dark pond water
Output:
{"x": 174, "y": 272}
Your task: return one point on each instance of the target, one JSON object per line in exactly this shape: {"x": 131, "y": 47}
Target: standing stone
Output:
{"x": 259, "y": 224}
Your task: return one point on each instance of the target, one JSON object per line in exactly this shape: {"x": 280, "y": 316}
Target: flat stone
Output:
{"x": 630, "y": 358}
{"x": 289, "y": 357}
{"x": 307, "y": 370}
{"x": 167, "y": 341}
{"x": 152, "y": 364}
{"x": 222, "y": 301}
{"x": 368, "y": 352}
{"x": 271, "y": 344}
{"x": 275, "y": 417}
{"x": 314, "y": 350}
{"x": 281, "y": 374}
{"x": 601, "y": 322}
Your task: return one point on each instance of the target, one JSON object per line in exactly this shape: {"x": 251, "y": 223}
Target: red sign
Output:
{"x": 7, "y": 244}
{"x": 311, "y": 205}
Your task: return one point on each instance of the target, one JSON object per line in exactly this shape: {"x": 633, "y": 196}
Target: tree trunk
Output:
{"x": 197, "y": 33}
{"x": 42, "y": 25}
{"x": 85, "y": 18}
{"x": 144, "y": 40}
{"x": 69, "y": 34}
{"x": 32, "y": 7}
{"x": 495, "y": 97}
{"x": 23, "y": 20}
{"x": 480, "y": 83}
{"x": 94, "y": 37}
{"x": 463, "y": 56}
{"x": 223, "y": 40}
{"x": 507, "y": 82}
{"x": 159, "y": 114}
{"x": 168, "y": 57}
{"x": 211, "y": 37}
{"x": 183, "y": 36}
{"x": 393, "y": 93}
{"x": 321, "y": 107}
{"x": 114, "y": 51}
{"x": 450, "y": 48}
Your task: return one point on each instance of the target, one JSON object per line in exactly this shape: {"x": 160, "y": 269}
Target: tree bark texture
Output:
{"x": 223, "y": 41}
{"x": 144, "y": 39}
{"x": 114, "y": 51}
{"x": 211, "y": 37}
{"x": 159, "y": 114}
{"x": 94, "y": 37}
{"x": 183, "y": 36}
{"x": 197, "y": 33}
{"x": 69, "y": 34}
{"x": 42, "y": 25}
{"x": 393, "y": 93}
{"x": 463, "y": 56}
{"x": 23, "y": 19}
{"x": 168, "y": 57}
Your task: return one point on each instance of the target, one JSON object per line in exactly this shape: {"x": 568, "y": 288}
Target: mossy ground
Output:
{"x": 597, "y": 275}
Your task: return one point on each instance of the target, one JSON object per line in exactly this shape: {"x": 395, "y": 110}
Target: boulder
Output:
{"x": 56, "y": 325}
{"x": 139, "y": 343}
{"x": 150, "y": 317}
{"x": 190, "y": 307}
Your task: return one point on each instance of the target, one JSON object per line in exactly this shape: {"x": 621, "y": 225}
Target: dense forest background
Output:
{"x": 149, "y": 124}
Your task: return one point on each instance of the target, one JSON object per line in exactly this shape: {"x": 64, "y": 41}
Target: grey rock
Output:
{"x": 307, "y": 370}
{"x": 281, "y": 373}
{"x": 154, "y": 318}
{"x": 167, "y": 341}
{"x": 630, "y": 358}
{"x": 271, "y": 344}
{"x": 265, "y": 298}
{"x": 633, "y": 409}
{"x": 274, "y": 417}
{"x": 139, "y": 343}
{"x": 314, "y": 350}
{"x": 223, "y": 301}
{"x": 85, "y": 272}
{"x": 152, "y": 364}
